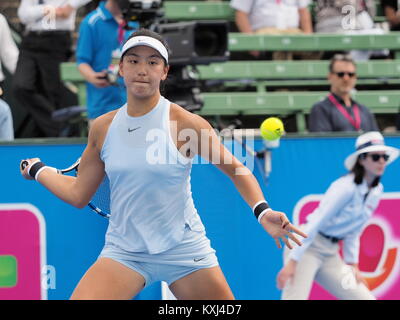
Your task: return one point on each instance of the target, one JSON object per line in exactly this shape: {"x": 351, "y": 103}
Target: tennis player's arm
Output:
{"x": 78, "y": 191}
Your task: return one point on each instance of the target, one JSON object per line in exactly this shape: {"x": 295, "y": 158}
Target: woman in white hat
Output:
{"x": 341, "y": 215}
{"x": 146, "y": 149}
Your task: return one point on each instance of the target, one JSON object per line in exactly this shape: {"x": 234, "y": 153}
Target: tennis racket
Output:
{"x": 100, "y": 202}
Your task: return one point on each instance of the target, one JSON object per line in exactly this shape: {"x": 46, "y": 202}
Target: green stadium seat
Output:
{"x": 293, "y": 70}
{"x": 196, "y": 10}
{"x": 265, "y": 74}
{"x": 313, "y": 42}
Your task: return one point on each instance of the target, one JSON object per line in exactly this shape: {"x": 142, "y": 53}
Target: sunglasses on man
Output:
{"x": 342, "y": 74}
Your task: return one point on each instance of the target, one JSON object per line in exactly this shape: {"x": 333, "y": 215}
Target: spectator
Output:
{"x": 391, "y": 10}
{"x": 9, "y": 57}
{"x": 101, "y": 36}
{"x": 46, "y": 43}
{"x": 339, "y": 112}
{"x": 348, "y": 16}
{"x": 272, "y": 17}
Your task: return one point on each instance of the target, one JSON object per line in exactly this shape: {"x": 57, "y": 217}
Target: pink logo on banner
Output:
{"x": 379, "y": 247}
{"x": 22, "y": 252}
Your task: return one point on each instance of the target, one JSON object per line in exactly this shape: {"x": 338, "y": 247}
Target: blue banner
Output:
{"x": 72, "y": 238}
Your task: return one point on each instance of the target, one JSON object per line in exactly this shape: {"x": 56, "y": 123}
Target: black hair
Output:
{"x": 151, "y": 34}
{"x": 359, "y": 172}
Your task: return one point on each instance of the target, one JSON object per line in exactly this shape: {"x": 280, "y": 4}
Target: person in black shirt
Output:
{"x": 46, "y": 43}
{"x": 339, "y": 112}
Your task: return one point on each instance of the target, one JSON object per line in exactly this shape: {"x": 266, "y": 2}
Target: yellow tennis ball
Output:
{"x": 272, "y": 128}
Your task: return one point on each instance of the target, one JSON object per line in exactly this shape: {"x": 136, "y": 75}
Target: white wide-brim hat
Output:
{"x": 370, "y": 142}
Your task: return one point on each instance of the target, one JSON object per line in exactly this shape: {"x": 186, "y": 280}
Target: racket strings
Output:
{"x": 101, "y": 199}
{"x": 100, "y": 202}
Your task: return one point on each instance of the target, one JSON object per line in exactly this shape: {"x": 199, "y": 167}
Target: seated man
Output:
{"x": 339, "y": 112}
{"x": 272, "y": 17}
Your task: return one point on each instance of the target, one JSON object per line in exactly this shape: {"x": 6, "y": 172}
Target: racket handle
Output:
{"x": 24, "y": 164}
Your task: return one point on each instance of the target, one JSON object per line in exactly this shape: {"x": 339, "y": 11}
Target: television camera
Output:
{"x": 191, "y": 43}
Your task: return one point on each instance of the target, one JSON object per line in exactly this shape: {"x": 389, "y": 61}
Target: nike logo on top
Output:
{"x": 130, "y": 130}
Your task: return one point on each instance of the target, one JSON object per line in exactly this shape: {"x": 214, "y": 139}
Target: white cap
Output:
{"x": 146, "y": 41}
{"x": 370, "y": 142}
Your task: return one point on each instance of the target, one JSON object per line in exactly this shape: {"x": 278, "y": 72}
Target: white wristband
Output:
{"x": 41, "y": 169}
{"x": 262, "y": 214}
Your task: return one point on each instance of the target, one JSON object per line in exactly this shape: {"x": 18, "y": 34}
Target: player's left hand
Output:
{"x": 279, "y": 227}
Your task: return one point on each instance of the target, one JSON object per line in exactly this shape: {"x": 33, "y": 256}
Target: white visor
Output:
{"x": 145, "y": 41}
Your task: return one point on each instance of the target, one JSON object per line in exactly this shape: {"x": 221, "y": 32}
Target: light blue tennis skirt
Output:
{"x": 192, "y": 254}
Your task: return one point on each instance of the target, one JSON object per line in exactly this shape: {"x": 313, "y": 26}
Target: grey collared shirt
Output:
{"x": 325, "y": 117}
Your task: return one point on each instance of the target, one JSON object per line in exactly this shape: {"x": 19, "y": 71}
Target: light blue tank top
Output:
{"x": 151, "y": 198}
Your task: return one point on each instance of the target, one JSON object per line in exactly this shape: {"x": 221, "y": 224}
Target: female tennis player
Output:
{"x": 341, "y": 215}
{"x": 146, "y": 149}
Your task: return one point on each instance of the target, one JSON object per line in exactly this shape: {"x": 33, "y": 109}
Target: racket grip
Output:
{"x": 24, "y": 164}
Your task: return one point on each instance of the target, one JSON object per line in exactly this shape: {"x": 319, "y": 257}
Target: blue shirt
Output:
{"x": 342, "y": 213}
{"x": 151, "y": 198}
{"x": 97, "y": 43}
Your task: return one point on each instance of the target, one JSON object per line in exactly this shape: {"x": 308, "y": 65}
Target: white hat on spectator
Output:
{"x": 370, "y": 142}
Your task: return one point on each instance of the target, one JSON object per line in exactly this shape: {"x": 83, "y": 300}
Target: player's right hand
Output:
{"x": 25, "y": 165}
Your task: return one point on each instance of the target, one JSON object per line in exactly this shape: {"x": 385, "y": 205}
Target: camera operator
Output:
{"x": 101, "y": 35}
